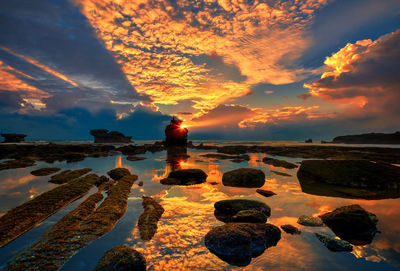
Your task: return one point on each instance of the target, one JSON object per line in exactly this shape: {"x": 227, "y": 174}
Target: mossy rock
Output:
{"x": 118, "y": 173}
{"x": 226, "y": 209}
{"x": 121, "y": 258}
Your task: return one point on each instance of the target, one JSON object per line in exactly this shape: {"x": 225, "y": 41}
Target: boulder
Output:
{"x": 244, "y": 177}
{"x": 121, "y": 258}
{"x": 226, "y": 209}
{"x": 265, "y": 193}
{"x": 103, "y": 136}
{"x": 350, "y": 178}
{"x": 13, "y": 138}
{"x": 310, "y": 221}
{"x": 249, "y": 216}
{"x": 185, "y": 177}
{"x": 290, "y": 229}
{"x": 334, "y": 244}
{"x": 278, "y": 163}
{"x": 118, "y": 173}
{"x": 238, "y": 243}
{"x": 352, "y": 223}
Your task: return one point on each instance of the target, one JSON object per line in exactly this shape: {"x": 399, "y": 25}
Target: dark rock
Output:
{"x": 281, "y": 173}
{"x": 308, "y": 141}
{"x": 20, "y": 163}
{"x": 121, "y": 258}
{"x": 233, "y": 158}
{"x": 249, "y": 216}
{"x": 118, "y": 173}
{"x": 310, "y": 221}
{"x": 185, "y": 177}
{"x": 140, "y": 183}
{"x": 68, "y": 175}
{"x": 226, "y": 209}
{"x": 102, "y": 179}
{"x": 13, "y": 138}
{"x": 176, "y": 133}
{"x": 213, "y": 183}
{"x": 371, "y": 138}
{"x": 45, "y": 171}
{"x": 334, "y": 244}
{"x": 238, "y": 243}
{"x": 350, "y": 178}
{"x": 352, "y": 223}
{"x": 103, "y": 136}
{"x": 147, "y": 222}
{"x": 265, "y": 193}
{"x": 278, "y": 163}
{"x": 244, "y": 177}
{"x": 290, "y": 229}
{"x": 135, "y": 158}
{"x": 233, "y": 149}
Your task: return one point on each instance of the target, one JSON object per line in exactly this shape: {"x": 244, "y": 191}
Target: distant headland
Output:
{"x": 370, "y": 138}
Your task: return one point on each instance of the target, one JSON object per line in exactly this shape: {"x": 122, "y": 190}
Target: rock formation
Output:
{"x": 103, "y": 136}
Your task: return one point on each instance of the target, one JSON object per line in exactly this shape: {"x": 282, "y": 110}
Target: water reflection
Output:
{"x": 177, "y": 157}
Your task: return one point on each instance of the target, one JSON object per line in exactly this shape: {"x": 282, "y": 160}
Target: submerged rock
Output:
{"x": 249, "y": 216}
{"x": 20, "y": 163}
{"x": 135, "y": 158}
{"x": 278, "y": 163}
{"x": 244, "y": 177}
{"x": 68, "y": 175}
{"x": 121, "y": 258}
{"x": 118, "y": 173}
{"x": 334, "y": 244}
{"x": 352, "y": 223}
{"x": 265, "y": 193}
{"x": 185, "y": 177}
{"x": 350, "y": 178}
{"x": 290, "y": 229}
{"x": 103, "y": 136}
{"x": 147, "y": 222}
{"x": 226, "y": 209}
{"x": 45, "y": 171}
{"x": 310, "y": 221}
{"x": 238, "y": 243}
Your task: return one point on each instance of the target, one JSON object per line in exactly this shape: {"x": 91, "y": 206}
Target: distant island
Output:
{"x": 370, "y": 138}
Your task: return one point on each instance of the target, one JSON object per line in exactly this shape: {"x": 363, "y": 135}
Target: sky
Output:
{"x": 230, "y": 69}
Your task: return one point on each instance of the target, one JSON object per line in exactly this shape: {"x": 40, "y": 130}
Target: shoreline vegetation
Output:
{"x": 100, "y": 212}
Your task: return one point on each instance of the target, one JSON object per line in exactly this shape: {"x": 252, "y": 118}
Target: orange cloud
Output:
{"x": 155, "y": 42}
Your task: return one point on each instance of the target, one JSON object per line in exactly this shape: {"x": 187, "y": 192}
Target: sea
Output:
{"x": 189, "y": 214}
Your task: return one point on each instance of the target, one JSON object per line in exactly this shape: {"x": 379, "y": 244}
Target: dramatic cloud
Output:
{"x": 163, "y": 46}
{"x": 365, "y": 76}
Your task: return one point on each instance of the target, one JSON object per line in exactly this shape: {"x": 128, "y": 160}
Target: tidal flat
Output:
{"x": 178, "y": 242}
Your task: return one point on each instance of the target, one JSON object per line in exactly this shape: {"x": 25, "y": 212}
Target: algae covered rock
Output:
{"x": 16, "y": 163}
{"x": 290, "y": 229}
{"x": 68, "y": 175}
{"x": 118, "y": 173}
{"x": 121, "y": 258}
{"x": 147, "y": 222}
{"x": 334, "y": 244}
{"x": 238, "y": 243}
{"x": 249, "y": 216}
{"x": 244, "y": 177}
{"x": 185, "y": 177}
{"x": 310, "y": 221}
{"x": 278, "y": 163}
{"x": 45, "y": 171}
{"x": 352, "y": 223}
{"x": 226, "y": 209}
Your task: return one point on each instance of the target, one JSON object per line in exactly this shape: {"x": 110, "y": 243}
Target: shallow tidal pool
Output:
{"x": 189, "y": 215}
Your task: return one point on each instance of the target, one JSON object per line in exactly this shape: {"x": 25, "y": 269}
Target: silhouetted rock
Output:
{"x": 350, "y": 178}
{"x": 13, "y": 138}
{"x": 244, "y": 177}
{"x": 135, "y": 158}
{"x": 334, "y": 244}
{"x": 185, "y": 177}
{"x": 290, "y": 229}
{"x": 45, "y": 171}
{"x": 310, "y": 221}
{"x": 121, "y": 258}
{"x": 147, "y": 223}
{"x": 226, "y": 209}
{"x": 238, "y": 243}
{"x": 371, "y": 138}
{"x": 265, "y": 193}
{"x": 249, "y": 216}
{"x": 352, "y": 223}
{"x": 118, "y": 173}
{"x": 278, "y": 163}
{"x": 175, "y": 133}
{"x": 103, "y": 136}
{"x": 308, "y": 141}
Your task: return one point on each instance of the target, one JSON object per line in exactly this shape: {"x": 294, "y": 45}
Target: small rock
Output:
{"x": 308, "y": 141}
{"x": 281, "y": 173}
{"x": 334, "y": 244}
{"x": 140, "y": 183}
{"x": 244, "y": 177}
{"x": 290, "y": 229}
{"x": 213, "y": 183}
{"x": 249, "y": 216}
{"x": 135, "y": 158}
{"x": 310, "y": 221}
{"x": 279, "y": 163}
{"x": 118, "y": 173}
{"x": 185, "y": 177}
{"x": 121, "y": 258}
{"x": 265, "y": 193}
{"x": 226, "y": 209}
